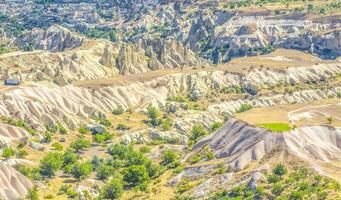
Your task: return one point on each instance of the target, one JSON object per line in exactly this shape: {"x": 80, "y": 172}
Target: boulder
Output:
{"x": 36, "y": 146}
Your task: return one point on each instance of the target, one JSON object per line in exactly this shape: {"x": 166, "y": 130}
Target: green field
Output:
{"x": 276, "y": 127}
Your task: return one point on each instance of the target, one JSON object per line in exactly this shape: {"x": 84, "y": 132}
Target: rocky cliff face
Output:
{"x": 239, "y": 144}
{"x": 56, "y": 38}
{"x": 81, "y": 59}
{"x": 13, "y": 184}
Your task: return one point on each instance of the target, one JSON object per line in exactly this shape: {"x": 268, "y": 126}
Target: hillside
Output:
{"x": 170, "y": 99}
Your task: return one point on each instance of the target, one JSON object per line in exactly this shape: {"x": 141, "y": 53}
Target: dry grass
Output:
{"x": 319, "y": 111}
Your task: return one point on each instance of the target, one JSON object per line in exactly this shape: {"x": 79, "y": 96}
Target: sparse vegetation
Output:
{"x": 244, "y": 107}
{"x": 276, "y": 127}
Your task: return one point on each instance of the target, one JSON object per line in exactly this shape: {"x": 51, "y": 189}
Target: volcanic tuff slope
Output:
{"x": 183, "y": 88}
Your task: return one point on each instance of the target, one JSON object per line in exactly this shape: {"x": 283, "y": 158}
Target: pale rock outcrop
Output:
{"x": 8, "y": 133}
{"x": 13, "y": 184}
{"x": 55, "y": 38}
{"x": 240, "y": 144}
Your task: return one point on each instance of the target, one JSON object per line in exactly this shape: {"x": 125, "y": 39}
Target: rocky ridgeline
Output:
{"x": 70, "y": 105}
{"x": 82, "y": 59}
{"x": 222, "y": 35}
{"x": 14, "y": 185}
{"x": 56, "y": 38}
{"x": 237, "y": 144}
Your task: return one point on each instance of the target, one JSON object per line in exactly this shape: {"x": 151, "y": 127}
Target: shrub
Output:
{"x": 144, "y": 149}
{"x": 83, "y": 130}
{"x": 21, "y": 153}
{"x": 104, "y": 171}
{"x": 279, "y": 170}
{"x": 135, "y": 175}
{"x": 244, "y": 107}
{"x": 8, "y": 152}
{"x": 81, "y": 170}
{"x": 273, "y": 178}
{"x": 96, "y": 162}
{"x": 57, "y": 146}
{"x": 80, "y": 144}
{"x": 62, "y": 130}
{"x": 113, "y": 190}
{"x": 122, "y": 127}
{"x": 98, "y": 138}
{"x": 215, "y": 126}
{"x": 105, "y": 122}
{"x": 197, "y": 132}
{"x": 169, "y": 157}
{"x": 152, "y": 112}
{"x": 166, "y": 124}
{"x": 69, "y": 158}
{"x": 119, "y": 151}
{"x": 51, "y": 163}
{"x": 48, "y": 137}
{"x": 32, "y": 194}
{"x": 118, "y": 111}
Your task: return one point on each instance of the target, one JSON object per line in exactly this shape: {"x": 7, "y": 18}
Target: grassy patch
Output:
{"x": 278, "y": 127}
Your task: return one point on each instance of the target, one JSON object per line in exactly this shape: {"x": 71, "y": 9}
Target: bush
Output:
{"x": 215, "y": 126}
{"x": 98, "y": 138}
{"x": 32, "y": 194}
{"x": 62, "y": 130}
{"x": 144, "y": 149}
{"x": 80, "y": 144}
{"x": 104, "y": 172}
{"x": 83, "y": 130}
{"x": 8, "y": 152}
{"x": 57, "y": 146}
{"x": 96, "y": 162}
{"x": 122, "y": 127}
{"x": 166, "y": 124}
{"x": 118, "y": 111}
{"x": 81, "y": 170}
{"x": 152, "y": 112}
{"x": 169, "y": 157}
{"x": 119, "y": 151}
{"x": 135, "y": 175}
{"x": 279, "y": 170}
{"x": 69, "y": 158}
{"x": 197, "y": 132}
{"x": 105, "y": 122}
{"x": 51, "y": 163}
{"x": 244, "y": 107}
{"x": 113, "y": 190}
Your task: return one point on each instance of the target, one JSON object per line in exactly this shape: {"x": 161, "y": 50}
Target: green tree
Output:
{"x": 80, "y": 144}
{"x": 81, "y": 170}
{"x": 8, "y": 152}
{"x": 104, "y": 171}
{"x": 113, "y": 190}
{"x": 119, "y": 151}
{"x": 69, "y": 157}
{"x": 51, "y": 163}
{"x": 135, "y": 175}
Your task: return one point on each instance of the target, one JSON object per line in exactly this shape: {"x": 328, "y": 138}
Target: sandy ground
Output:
{"x": 315, "y": 113}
